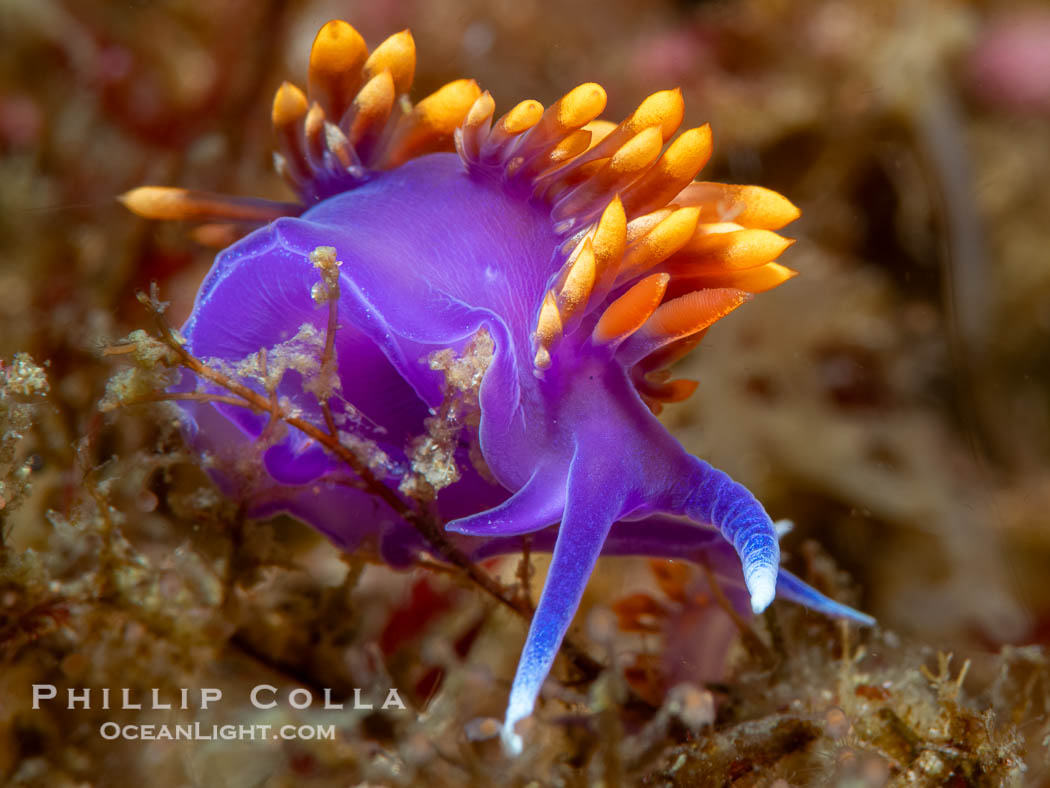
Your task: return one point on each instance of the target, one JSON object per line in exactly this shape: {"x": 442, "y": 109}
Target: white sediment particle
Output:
{"x": 154, "y": 370}
{"x": 24, "y": 377}
{"x": 433, "y": 455}
{"x": 301, "y": 353}
{"x": 23, "y": 386}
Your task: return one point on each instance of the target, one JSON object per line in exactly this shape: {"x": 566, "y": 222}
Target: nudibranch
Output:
{"x": 579, "y": 257}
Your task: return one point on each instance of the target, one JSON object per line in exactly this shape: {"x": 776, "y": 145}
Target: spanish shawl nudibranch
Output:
{"x": 583, "y": 248}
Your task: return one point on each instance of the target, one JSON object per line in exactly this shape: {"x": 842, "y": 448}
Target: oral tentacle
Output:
{"x": 589, "y": 513}
{"x": 729, "y": 506}
{"x": 660, "y": 536}
{"x": 535, "y": 506}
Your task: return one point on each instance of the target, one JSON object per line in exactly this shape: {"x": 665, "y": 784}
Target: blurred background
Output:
{"x": 893, "y": 401}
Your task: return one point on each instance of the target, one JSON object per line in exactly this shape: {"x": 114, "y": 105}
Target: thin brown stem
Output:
{"x": 233, "y": 561}
{"x": 330, "y": 279}
{"x": 119, "y": 350}
{"x": 751, "y": 641}
{"x": 328, "y": 354}
{"x": 195, "y": 396}
{"x": 329, "y": 420}
{"x": 428, "y": 528}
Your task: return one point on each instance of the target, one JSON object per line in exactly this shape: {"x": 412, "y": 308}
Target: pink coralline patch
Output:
{"x": 669, "y": 56}
{"x": 695, "y": 631}
{"x": 20, "y": 121}
{"x": 1010, "y": 65}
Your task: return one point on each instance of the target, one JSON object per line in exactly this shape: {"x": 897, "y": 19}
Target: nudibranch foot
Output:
{"x": 589, "y": 514}
{"x": 583, "y": 249}
{"x": 538, "y": 504}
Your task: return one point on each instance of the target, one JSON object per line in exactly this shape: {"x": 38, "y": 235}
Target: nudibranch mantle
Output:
{"x": 586, "y": 252}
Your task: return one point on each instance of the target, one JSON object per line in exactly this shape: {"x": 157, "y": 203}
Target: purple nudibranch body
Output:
{"x": 583, "y": 255}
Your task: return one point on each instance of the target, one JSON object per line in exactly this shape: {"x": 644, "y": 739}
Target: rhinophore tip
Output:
{"x": 512, "y": 743}
{"x": 762, "y": 585}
